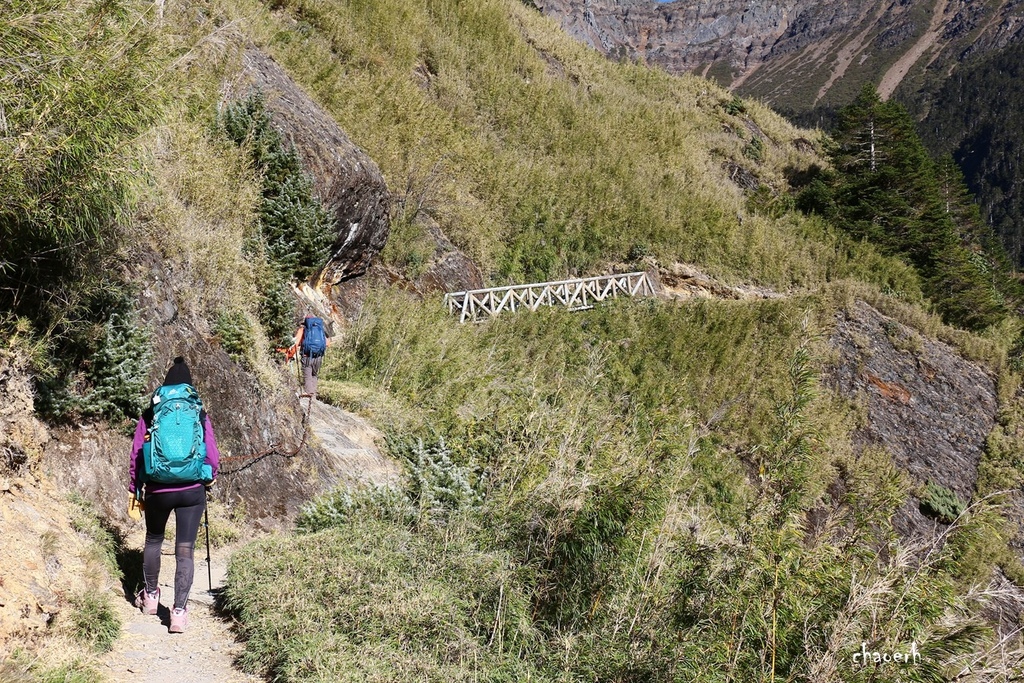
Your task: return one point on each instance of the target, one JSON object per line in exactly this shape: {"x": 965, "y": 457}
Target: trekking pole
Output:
{"x": 209, "y": 567}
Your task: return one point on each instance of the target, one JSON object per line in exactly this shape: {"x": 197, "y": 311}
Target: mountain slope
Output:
{"x": 808, "y": 58}
{"x": 794, "y": 54}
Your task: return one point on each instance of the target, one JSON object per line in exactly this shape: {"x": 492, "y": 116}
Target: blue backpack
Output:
{"x": 314, "y": 341}
{"x": 175, "y": 448}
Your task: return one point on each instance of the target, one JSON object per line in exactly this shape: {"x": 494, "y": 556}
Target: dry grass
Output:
{"x": 202, "y": 210}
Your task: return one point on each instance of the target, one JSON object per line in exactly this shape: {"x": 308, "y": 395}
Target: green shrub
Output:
{"x": 345, "y": 506}
{"x": 276, "y": 305}
{"x": 735, "y": 107}
{"x": 105, "y": 373}
{"x": 939, "y": 502}
{"x": 638, "y": 252}
{"x": 234, "y": 334}
{"x": 105, "y": 542}
{"x": 297, "y": 232}
{"x": 754, "y": 150}
{"x": 94, "y": 621}
{"x": 766, "y": 202}
{"x": 438, "y": 487}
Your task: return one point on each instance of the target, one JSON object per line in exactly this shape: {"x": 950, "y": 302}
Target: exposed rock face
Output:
{"x": 930, "y": 409}
{"x": 683, "y": 281}
{"x": 22, "y": 436}
{"x": 43, "y": 563}
{"x": 683, "y": 36}
{"x": 351, "y": 445}
{"x": 43, "y": 559}
{"x": 259, "y": 429}
{"x": 346, "y": 180}
{"x": 448, "y": 270}
{"x": 792, "y": 53}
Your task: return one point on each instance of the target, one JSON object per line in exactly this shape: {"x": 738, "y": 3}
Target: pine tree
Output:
{"x": 889, "y": 191}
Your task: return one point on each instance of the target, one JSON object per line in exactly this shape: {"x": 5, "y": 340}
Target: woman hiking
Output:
{"x": 311, "y": 342}
{"x": 173, "y": 461}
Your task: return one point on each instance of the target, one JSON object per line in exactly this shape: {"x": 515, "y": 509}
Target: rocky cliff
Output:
{"x": 925, "y": 405}
{"x": 346, "y": 180}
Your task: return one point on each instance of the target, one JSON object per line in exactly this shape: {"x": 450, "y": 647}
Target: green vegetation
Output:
{"x": 975, "y": 118}
{"x": 233, "y": 331}
{"x": 296, "y": 232}
{"x": 540, "y": 159}
{"x": 94, "y": 621}
{"x": 109, "y": 381}
{"x": 401, "y": 606}
{"x": 939, "y": 502}
{"x": 20, "y": 666}
{"x": 887, "y": 190}
{"x": 105, "y": 544}
{"x": 646, "y": 475}
{"x": 647, "y": 491}
{"x": 75, "y": 96}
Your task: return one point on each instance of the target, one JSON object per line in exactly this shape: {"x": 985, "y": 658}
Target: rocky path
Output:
{"x": 205, "y": 653}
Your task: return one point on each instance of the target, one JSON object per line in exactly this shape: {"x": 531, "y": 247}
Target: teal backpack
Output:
{"x": 175, "y": 448}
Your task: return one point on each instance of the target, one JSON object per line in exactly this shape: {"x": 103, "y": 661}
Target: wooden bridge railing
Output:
{"x": 575, "y": 295}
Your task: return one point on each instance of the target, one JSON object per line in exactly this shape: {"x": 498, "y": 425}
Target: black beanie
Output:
{"x": 178, "y": 373}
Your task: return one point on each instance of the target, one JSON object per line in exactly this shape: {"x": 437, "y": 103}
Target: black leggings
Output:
{"x": 188, "y": 506}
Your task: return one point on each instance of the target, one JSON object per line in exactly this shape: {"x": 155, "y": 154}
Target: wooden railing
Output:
{"x": 477, "y": 304}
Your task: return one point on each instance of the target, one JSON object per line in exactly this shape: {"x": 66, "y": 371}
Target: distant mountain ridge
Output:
{"x": 797, "y": 53}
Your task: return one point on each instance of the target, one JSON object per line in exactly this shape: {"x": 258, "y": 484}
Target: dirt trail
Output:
{"x": 147, "y": 653}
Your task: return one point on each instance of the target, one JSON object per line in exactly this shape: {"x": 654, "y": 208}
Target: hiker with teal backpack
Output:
{"x": 311, "y": 342}
{"x": 173, "y": 462}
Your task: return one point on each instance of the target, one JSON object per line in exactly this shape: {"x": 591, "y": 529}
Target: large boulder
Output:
{"x": 345, "y": 178}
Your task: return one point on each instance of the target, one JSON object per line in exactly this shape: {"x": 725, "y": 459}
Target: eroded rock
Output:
{"x": 927, "y": 406}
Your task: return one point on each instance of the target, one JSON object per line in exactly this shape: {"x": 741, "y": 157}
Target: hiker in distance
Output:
{"x": 311, "y": 342}
{"x": 173, "y": 462}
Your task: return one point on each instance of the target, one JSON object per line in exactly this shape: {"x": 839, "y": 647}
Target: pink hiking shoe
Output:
{"x": 179, "y": 620}
{"x": 148, "y": 602}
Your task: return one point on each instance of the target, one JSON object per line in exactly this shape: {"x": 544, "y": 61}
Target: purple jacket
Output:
{"x": 136, "y": 463}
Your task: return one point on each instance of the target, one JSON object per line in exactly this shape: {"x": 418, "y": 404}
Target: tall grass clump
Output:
{"x": 94, "y": 621}
{"x": 76, "y": 93}
{"x": 21, "y": 666}
{"x": 379, "y": 603}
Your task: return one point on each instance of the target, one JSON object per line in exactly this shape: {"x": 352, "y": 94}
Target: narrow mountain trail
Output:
{"x": 147, "y": 653}
{"x": 205, "y": 652}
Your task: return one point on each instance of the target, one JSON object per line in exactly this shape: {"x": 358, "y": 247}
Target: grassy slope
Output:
{"x": 540, "y": 158}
